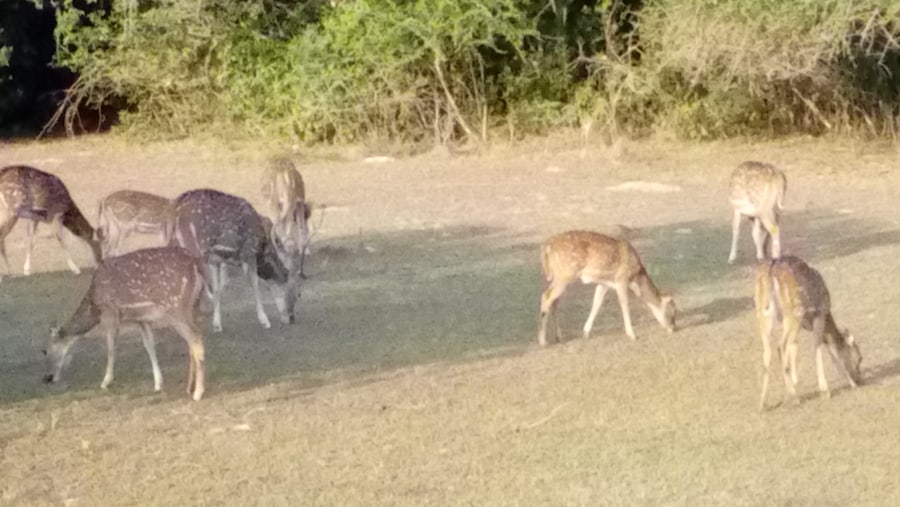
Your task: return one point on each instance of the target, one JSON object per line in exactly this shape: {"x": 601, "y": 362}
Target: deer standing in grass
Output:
{"x": 224, "y": 229}
{"x": 37, "y": 196}
{"x": 125, "y": 212}
{"x": 284, "y": 195}
{"x": 607, "y": 262}
{"x": 757, "y": 192}
{"x": 790, "y": 291}
{"x": 151, "y": 287}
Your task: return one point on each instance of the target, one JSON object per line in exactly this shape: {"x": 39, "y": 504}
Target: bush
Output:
{"x": 414, "y": 70}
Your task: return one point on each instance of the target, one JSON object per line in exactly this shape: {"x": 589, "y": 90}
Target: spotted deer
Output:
{"x": 607, "y": 262}
{"x": 224, "y": 229}
{"x": 150, "y": 287}
{"x": 757, "y": 192}
{"x": 790, "y": 291}
{"x": 284, "y": 195}
{"x": 37, "y": 196}
{"x": 125, "y": 212}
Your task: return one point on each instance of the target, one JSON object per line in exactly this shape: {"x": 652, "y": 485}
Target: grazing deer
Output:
{"x": 789, "y": 290}
{"x": 37, "y": 196}
{"x": 129, "y": 211}
{"x": 224, "y": 229}
{"x": 155, "y": 286}
{"x": 284, "y": 195}
{"x": 757, "y": 192}
{"x": 606, "y": 262}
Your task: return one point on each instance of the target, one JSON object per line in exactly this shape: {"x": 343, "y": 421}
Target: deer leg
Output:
{"x": 30, "y": 229}
{"x": 788, "y": 339}
{"x": 196, "y": 384}
{"x": 5, "y": 227}
{"x": 58, "y": 230}
{"x": 112, "y": 333}
{"x": 549, "y": 298}
{"x": 770, "y": 222}
{"x": 217, "y": 279}
{"x": 599, "y": 294}
{"x": 150, "y": 347}
{"x": 766, "y": 322}
{"x": 759, "y": 239}
{"x": 254, "y": 283}
{"x": 622, "y": 293}
{"x": 735, "y": 232}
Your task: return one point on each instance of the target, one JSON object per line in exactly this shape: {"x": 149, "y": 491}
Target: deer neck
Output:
{"x": 85, "y": 318}
{"x": 647, "y": 290}
{"x": 832, "y": 330}
{"x": 75, "y": 221}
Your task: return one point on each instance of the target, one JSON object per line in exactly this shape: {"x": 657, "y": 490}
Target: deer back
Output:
{"x": 166, "y": 278}
{"x": 591, "y": 256}
{"x": 33, "y": 194}
{"x": 283, "y": 188}
{"x": 141, "y": 210}
{"x": 757, "y": 185}
{"x": 798, "y": 289}
{"x": 215, "y": 225}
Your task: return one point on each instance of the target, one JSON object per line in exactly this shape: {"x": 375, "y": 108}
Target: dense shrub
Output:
{"x": 412, "y": 70}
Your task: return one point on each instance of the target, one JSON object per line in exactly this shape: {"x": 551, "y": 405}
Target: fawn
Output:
{"x": 608, "y": 263}
{"x": 757, "y": 192}
{"x": 37, "y": 196}
{"x": 224, "y": 229}
{"x": 125, "y": 212}
{"x": 154, "y": 286}
{"x": 284, "y": 195}
{"x": 790, "y": 291}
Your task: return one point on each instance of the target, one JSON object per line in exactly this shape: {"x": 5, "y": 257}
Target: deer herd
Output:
{"x": 201, "y": 232}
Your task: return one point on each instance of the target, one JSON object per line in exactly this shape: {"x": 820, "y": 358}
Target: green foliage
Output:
{"x": 412, "y": 70}
{"x": 736, "y": 67}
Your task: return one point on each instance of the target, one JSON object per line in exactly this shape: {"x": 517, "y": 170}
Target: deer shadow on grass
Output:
{"x": 880, "y": 373}
{"x": 378, "y": 302}
{"x": 373, "y": 304}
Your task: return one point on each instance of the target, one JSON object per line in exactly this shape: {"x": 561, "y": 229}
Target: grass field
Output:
{"x": 413, "y": 376}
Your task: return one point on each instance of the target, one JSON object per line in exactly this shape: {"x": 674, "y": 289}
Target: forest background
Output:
{"x": 414, "y": 71}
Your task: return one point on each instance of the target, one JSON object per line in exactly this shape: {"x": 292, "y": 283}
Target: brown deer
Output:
{"x": 606, "y": 262}
{"x": 790, "y": 291}
{"x": 284, "y": 195}
{"x": 224, "y": 229}
{"x": 37, "y": 196}
{"x": 155, "y": 286}
{"x": 757, "y": 192}
{"x": 125, "y": 212}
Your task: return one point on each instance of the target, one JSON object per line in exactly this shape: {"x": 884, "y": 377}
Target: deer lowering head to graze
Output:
{"x": 37, "y": 196}
{"x": 607, "y": 262}
{"x": 284, "y": 195}
{"x": 151, "y": 287}
{"x": 790, "y": 291}
{"x": 126, "y": 212}
{"x": 757, "y": 192}
{"x": 224, "y": 229}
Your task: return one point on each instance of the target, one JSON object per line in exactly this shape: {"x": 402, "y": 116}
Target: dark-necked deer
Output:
{"x": 151, "y": 287}
{"x": 606, "y": 262}
{"x": 37, "y": 196}
{"x": 757, "y": 192}
{"x": 125, "y": 212}
{"x": 284, "y": 195}
{"x": 790, "y": 291}
{"x": 224, "y": 229}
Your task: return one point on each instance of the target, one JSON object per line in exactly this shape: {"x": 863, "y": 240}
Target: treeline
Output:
{"x": 441, "y": 70}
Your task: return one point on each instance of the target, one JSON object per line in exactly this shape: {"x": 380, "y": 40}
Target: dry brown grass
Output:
{"x": 413, "y": 376}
